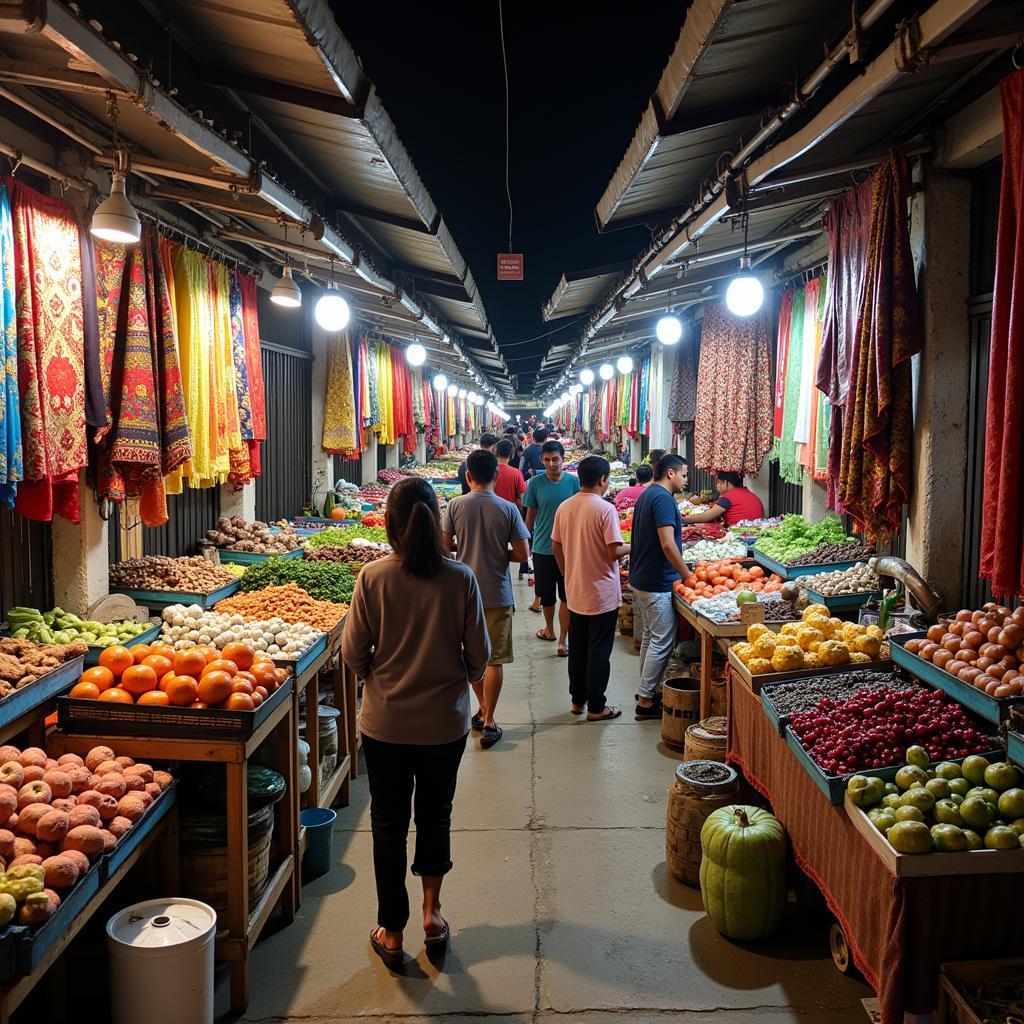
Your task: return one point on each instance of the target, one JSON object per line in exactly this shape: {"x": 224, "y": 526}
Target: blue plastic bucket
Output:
{"x": 319, "y": 825}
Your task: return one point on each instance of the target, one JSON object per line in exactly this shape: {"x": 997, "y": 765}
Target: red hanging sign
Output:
{"x": 510, "y": 266}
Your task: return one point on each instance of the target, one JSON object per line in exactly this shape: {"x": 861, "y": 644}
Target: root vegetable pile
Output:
{"x": 354, "y": 555}
{"x": 287, "y": 602}
{"x": 325, "y": 581}
{"x": 189, "y": 627}
{"x": 23, "y": 662}
{"x": 156, "y": 572}
{"x": 235, "y": 534}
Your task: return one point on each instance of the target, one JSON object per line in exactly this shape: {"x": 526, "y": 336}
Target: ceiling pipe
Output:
{"x": 53, "y": 122}
{"x": 43, "y": 168}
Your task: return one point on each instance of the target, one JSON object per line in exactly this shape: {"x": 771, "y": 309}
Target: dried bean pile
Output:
{"x": 825, "y": 554}
{"x": 350, "y": 556}
{"x": 806, "y": 694}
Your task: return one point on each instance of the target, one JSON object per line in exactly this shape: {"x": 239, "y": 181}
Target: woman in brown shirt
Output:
{"x": 416, "y": 634}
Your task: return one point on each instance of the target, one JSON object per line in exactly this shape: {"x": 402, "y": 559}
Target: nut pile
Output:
{"x": 156, "y": 572}
{"x": 806, "y": 694}
{"x": 23, "y": 662}
{"x": 861, "y": 579}
{"x": 235, "y": 534}
{"x": 823, "y": 554}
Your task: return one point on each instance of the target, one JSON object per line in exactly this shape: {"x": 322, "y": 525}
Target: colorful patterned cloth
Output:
{"x": 11, "y": 457}
{"x": 51, "y": 362}
{"x": 782, "y": 362}
{"x": 733, "y": 428}
{"x": 339, "y": 429}
{"x": 874, "y": 474}
{"x": 682, "y": 404}
{"x": 784, "y": 447}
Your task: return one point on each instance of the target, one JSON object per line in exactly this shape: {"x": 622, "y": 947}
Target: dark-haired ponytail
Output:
{"x": 414, "y": 529}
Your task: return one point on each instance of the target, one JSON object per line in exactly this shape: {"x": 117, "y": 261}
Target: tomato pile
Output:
{"x": 711, "y": 578}
{"x": 874, "y": 728}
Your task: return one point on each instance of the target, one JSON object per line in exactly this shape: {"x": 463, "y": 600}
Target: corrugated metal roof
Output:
{"x": 578, "y": 290}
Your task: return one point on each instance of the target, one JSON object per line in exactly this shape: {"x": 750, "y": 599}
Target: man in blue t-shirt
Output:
{"x": 531, "y": 463}
{"x": 655, "y": 563}
{"x": 544, "y": 493}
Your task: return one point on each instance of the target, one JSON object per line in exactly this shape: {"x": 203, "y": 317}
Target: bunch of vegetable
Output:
{"x": 341, "y": 536}
{"x": 704, "y": 531}
{"x": 391, "y": 476}
{"x": 726, "y": 607}
{"x": 235, "y": 534}
{"x": 61, "y": 627}
{"x": 23, "y": 662}
{"x": 861, "y": 579}
{"x": 59, "y": 816}
{"x": 287, "y": 602}
{"x": 372, "y": 519}
{"x": 710, "y": 550}
{"x": 326, "y": 581}
{"x": 189, "y": 627}
{"x": 156, "y": 572}
{"x": 833, "y": 551}
{"x": 795, "y": 537}
{"x": 722, "y": 576}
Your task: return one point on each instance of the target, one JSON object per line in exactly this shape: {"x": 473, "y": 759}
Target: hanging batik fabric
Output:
{"x": 733, "y": 429}
{"x": 51, "y": 361}
{"x": 682, "y": 403}
{"x": 253, "y": 369}
{"x": 11, "y": 464}
{"x": 339, "y": 430}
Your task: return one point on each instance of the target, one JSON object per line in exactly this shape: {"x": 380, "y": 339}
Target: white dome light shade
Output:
{"x": 625, "y": 364}
{"x": 462, "y": 392}
{"x": 668, "y": 330}
{"x": 415, "y": 354}
{"x": 286, "y": 292}
{"x": 586, "y": 377}
{"x": 745, "y": 294}
{"x": 115, "y": 219}
{"x": 440, "y": 382}
{"x": 607, "y": 371}
{"x": 565, "y": 396}
{"x": 453, "y": 390}
{"x": 471, "y": 396}
{"x": 479, "y": 400}
{"x": 332, "y": 311}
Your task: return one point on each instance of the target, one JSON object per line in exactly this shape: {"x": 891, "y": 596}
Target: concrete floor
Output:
{"x": 560, "y": 904}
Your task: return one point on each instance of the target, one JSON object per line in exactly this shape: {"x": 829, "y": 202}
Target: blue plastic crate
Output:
{"x": 299, "y": 667}
{"x": 988, "y": 707}
{"x": 1015, "y": 747}
{"x": 254, "y": 557}
{"x": 843, "y": 602}
{"x": 145, "y": 637}
{"x": 162, "y": 599}
{"x": 793, "y": 571}
{"x": 44, "y": 689}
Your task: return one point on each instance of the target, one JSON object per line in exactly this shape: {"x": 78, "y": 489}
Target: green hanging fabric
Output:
{"x": 785, "y": 448}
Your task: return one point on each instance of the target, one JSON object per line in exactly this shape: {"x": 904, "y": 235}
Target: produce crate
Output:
{"x": 318, "y": 523}
{"x": 145, "y": 637}
{"x": 165, "y": 598}
{"x": 254, "y": 557}
{"x": 754, "y": 683}
{"x": 1015, "y": 747}
{"x": 722, "y": 630}
{"x": 834, "y": 786}
{"x": 93, "y": 717}
{"x": 300, "y": 665}
{"x": 843, "y": 602}
{"x": 793, "y": 571}
{"x": 990, "y": 708}
{"x": 910, "y": 865}
{"x": 955, "y": 977}
{"x": 45, "y": 688}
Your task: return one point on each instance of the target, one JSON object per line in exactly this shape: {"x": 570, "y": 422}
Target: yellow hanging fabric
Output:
{"x": 339, "y": 434}
{"x": 225, "y": 354}
{"x": 173, "y": 480}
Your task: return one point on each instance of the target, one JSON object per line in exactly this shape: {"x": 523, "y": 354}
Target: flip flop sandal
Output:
{"x": 607, "y": 715}
{"x": 582, "y": 709}
{"x": 441, "y": 938}
{"x": 547, "y": 639}
{"x": 392, "y": 957}
{"x": 563, "y": 652}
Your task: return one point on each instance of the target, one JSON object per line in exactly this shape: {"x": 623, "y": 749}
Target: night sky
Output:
{"x": 579, "y": 85}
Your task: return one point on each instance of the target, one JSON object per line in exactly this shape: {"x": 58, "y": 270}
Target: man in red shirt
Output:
{"x": 735, "y": 503}
{"x": 510, "y": 485}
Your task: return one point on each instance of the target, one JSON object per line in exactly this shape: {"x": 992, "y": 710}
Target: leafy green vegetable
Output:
{"x": 326, "y": 581}
{"x": 342, "y": 536}
{"x": 796, "y": 537}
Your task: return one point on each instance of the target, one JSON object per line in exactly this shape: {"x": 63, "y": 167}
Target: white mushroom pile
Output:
{"x": 185, "y": 627}
{"x": 858, "y": 579}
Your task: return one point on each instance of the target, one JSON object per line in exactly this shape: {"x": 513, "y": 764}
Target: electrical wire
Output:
{"x": 546, "y": 334}
{"x": 504, "y": 61}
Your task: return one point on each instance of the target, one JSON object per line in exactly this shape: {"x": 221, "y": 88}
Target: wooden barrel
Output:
{"x": 681, "y": 702}
{"x": 719, "y": 698}
{"x": 700, "y": 788}
{"x": 705, "y": 741}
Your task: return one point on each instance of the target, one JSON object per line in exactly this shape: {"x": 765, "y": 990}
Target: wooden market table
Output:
{"x": 242, "y": 922}
{"x": 899, "y": 929}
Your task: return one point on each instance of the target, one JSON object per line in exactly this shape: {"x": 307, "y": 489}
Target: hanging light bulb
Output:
{"x": 586, "y": 377}
{"x": 462, "y": 392}
{"x": 668, "y": 330}
{"x": 471, "y": 397}
{"x": 453, "y": 390}
{"x": 565, "y": 397}
{"x": 286, "y": 292}
{"x": 415, "y": 354}
{"x": 332, "y": 311}
{"x": 745, "y": 294}
{"x": 607, "y": 371}
{"x": 625, "y": 364}
{"x": 479, "y": 400}
{"x": 576, "y": 389}
{"x": 440, "y": 382}
{"x": 115, "y": 219}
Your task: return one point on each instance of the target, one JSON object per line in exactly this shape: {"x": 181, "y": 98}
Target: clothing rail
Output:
{"x": 22, "y": 160}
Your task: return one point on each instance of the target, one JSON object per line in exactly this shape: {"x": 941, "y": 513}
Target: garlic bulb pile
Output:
{"x": 186, "y": 627}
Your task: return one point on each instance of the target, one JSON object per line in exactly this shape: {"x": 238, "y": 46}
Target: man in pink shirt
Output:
{"x": 629, "y": 496}
{"x": 587, "y": 545}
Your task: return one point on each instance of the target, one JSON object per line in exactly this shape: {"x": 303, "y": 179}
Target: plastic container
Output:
{"x": 319, "y": 825}
{"x": 161, "y": 962}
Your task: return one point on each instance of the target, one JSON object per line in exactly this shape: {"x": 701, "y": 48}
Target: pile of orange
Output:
{"x": 237, "y": 678}
{"x": 711, "y": 578}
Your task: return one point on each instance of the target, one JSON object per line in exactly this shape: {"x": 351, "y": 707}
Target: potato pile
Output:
{"x": 57, "y": 816}
{"x": 235, "y": 534}
{"x": 23, "y": 662}
{"x": 860, "y": 579}
{"x": 156, "y": 572}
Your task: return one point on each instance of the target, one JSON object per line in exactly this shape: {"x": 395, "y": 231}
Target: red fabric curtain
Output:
{"x": 1002, "y": 543}
{"x": 874, "y": 471}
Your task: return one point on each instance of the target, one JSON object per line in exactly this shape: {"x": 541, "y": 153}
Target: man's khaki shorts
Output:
{"x": 499, "y": 629}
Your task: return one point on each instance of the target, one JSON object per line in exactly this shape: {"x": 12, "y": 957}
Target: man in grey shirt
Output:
{"x": 487, "y": 533}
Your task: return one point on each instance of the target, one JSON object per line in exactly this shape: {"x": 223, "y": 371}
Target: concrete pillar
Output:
{"x": 80, "y": 557}
{"x": 322, "y": 463}
{"x": 759, "y": 484}
{"x": 815, "y": 500}
{"x": 940, "y": 236}
{"x": 392, "y": 455}
{"x": 368, "y": 466}
{"x": 421, "y": 449}
{"x": 635, "y": 450}
{"x": 238, "y": 503}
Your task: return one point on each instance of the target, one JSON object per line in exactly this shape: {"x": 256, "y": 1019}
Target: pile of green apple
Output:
{"x": 946, "y": 809}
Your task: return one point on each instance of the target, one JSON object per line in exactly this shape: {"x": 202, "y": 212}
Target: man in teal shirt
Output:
{"x": 544, "y": 493}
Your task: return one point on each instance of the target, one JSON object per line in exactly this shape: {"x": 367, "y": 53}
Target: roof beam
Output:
{"x": 295, "y": 95}
{"x": 394, "y": 219}
{"x": 28, "y": 73}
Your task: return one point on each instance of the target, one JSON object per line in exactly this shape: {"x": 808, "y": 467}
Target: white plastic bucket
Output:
{"x": 161, "y": 962}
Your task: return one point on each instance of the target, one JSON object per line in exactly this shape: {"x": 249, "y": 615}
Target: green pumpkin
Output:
{"x": 743, "y": 871}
